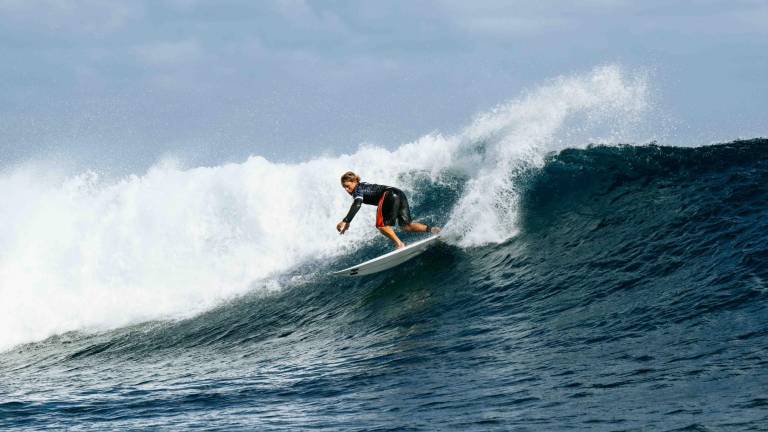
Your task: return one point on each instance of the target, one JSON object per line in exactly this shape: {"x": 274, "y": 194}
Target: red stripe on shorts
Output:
{"x": 379, "y": 216}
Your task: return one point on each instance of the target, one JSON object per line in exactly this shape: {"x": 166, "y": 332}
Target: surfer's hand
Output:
{"x": 341, "y": 227}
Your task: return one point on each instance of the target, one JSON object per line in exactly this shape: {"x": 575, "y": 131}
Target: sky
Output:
{"x": 118, "y": 85}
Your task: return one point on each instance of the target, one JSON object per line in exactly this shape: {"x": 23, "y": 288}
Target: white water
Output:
{"x": 84, "y": 254}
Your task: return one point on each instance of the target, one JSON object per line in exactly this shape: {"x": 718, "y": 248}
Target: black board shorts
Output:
{"x": 393, "y": 207}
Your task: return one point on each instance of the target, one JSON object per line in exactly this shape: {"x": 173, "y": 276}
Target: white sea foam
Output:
{"x": 600, "y": 107}
{"x": 86, "y": 254}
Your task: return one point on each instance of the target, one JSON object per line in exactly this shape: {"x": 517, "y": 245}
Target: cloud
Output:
{"x": 752, "y": 19}
{"x": 78, "y": 17}
{"x": 500, "y": 19}
{"x": 169, "y": 53}
{"x": 512, "y": 26}
{"x": 183, "y": 5}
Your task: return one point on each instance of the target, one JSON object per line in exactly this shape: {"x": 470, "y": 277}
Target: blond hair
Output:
{"x": 350, "y": 176}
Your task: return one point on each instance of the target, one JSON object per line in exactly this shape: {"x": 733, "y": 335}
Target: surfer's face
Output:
{"x": 349, "y": 186}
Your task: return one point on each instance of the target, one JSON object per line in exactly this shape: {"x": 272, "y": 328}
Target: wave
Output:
{"x": 88, "y": 254}
{"x": 613, "y": 243}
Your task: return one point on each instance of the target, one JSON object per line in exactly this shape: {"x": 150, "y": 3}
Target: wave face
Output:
{"x": 82, "y": 253}
{"x": 580, "y": 287}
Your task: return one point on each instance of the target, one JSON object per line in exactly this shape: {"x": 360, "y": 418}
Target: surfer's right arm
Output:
{"x": 351, "y": 183}
{"x": 344, "y": 224}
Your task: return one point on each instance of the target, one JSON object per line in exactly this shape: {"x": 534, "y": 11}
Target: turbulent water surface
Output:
{"x": 604, "y": 287}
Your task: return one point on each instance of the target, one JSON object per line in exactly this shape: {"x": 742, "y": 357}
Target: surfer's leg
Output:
{"x": 403, "y": 215}
{"x": 390, "y": 233}
{"x": 414, "y": 227}
{"x": 385, "y": 217}
{"x": 405, "y": 221}
{"x": 420, "y": 227}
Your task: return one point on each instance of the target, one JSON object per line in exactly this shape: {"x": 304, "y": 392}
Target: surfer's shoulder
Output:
{"x": 358, "y": 192}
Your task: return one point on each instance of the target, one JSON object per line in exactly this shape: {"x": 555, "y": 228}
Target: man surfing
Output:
{"x": 392, "y": 206}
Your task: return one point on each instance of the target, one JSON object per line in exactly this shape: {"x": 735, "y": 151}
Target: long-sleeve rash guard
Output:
{"x": 365, "y": 193}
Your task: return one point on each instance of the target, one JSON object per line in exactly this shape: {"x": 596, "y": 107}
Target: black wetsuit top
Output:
{"x": 365, "y": 193}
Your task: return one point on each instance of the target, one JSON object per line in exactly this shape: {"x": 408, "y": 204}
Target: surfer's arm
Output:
{"x": 353, "y": 210}
{"x": 342, "y": 226}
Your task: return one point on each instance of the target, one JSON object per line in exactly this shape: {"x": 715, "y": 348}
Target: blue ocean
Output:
{"x": 589, "y": 279}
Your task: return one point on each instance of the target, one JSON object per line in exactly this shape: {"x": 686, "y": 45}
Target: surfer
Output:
{"x": 391, "y": 206}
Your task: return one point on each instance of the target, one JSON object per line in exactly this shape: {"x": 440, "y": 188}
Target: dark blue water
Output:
{"x": 635, "y": 297}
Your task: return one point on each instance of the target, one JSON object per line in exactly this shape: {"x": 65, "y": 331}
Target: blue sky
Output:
{"x": 118, "y": 84}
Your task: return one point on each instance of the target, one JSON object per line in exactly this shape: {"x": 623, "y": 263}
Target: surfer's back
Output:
{"x": 370, "y": 192}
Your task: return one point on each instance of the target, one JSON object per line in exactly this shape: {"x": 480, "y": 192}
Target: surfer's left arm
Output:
{"x": 342, "y": 226}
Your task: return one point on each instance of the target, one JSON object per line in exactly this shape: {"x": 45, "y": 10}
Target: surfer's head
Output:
{"x": 349, "y": 181}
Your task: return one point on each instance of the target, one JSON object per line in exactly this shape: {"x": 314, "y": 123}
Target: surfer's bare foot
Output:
{"x": 400, "y": 245}
{"x": 435, "y": 230}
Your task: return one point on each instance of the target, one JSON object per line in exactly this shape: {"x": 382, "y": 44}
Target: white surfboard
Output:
{"x": 389, "y": 260}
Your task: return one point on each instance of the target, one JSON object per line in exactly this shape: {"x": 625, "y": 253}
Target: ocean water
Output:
{"x": 590, "y": 279}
